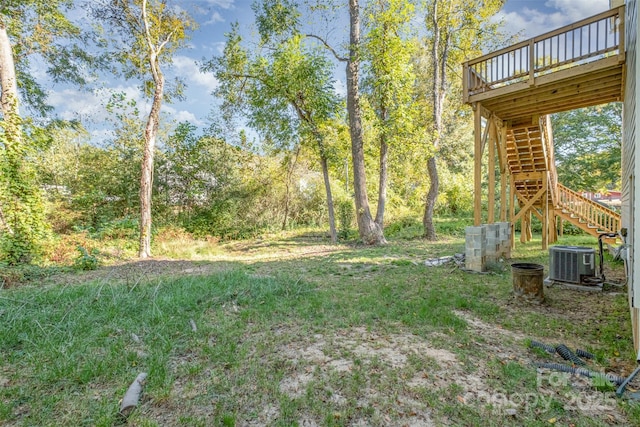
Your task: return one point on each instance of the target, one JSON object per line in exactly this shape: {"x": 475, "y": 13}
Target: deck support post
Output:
{"x": 491, "y": 170}
{"x": 513, "y": 199}
{"x": 503, "y": 174}
{"x": 477, "y": 170}
{"x": 545, "y": 212}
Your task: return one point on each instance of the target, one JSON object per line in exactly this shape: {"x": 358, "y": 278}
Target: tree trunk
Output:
{"x": 369, "y": 231}
{"x": 384, "y": 177}
{"x": 146, "y": 178}
{"x": 432, "y": 195}
{"x": 327, "y": 187}
{"x": 439, "y": 57}
{"x": 9, "y": 87}
{"x": 290, "y": 168}
{"x": 9, "y": 104}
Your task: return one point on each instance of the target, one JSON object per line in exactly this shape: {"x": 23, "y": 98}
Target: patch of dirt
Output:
{"x": 294, "y": 386}
{"x": 575, "y": 392}
{"x": 135, "y": 272}
{"x": 328, "y": 353}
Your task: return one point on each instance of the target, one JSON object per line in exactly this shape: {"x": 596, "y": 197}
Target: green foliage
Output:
{"x": 42, "y": 28}
{"x": 390, "y": 75}
{"x": 276, "y": 18}
{"x": 346, "y": 217}
{"x": 121, "y": 228}
{"x": 587, "y": 147}
{"x": 456, "y": 197}
{"x": 86, "y": 261}
{"x": 224, "y": 219}
{"x": 23, "y": 225}
{"x": 405, "y": 227}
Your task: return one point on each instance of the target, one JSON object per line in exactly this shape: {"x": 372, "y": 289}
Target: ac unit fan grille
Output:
{"x": 571, "y": 263}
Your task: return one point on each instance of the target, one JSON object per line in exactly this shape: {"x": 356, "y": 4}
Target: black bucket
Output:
{"x": 528, "y": 281}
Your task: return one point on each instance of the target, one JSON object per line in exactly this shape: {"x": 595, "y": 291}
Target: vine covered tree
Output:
{"x": 29, "y": 28}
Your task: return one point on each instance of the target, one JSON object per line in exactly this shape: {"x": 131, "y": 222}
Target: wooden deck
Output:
{"x": 573, "y": 67}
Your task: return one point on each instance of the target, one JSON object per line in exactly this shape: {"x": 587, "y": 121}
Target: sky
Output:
{"x": 215, "y": 17}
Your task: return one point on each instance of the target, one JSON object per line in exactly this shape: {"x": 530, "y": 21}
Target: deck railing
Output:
{"x": 590, "y": 212}
{"x": 585, "y": 41}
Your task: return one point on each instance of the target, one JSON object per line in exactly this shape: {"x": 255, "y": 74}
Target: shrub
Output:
{"x": 86, "y": 261}
{"x": 346, "y": 213}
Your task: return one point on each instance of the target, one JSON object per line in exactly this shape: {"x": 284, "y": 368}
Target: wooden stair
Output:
{"x": 586, "y": 214}
{"x": 531, "y": 162}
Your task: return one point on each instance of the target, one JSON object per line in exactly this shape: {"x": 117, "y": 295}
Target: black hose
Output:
{"x": 601, "y": 255}
{"x": 548, "y": 348}
{"x": 620, "y": 390}
{"x": 614, "y": 379}
{"x": 585, "y": 354}
{"x": 567, "y": 354}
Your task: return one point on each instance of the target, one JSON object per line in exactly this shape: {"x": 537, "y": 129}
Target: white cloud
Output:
{"x": 74, "y": 104}
{"x": 215, "y": 17}
{"x": 574, "y": 10}
{"x": 219, "y": 47}
{"x": 91, "y": 106}
{"x": 181, "y": 115}
{"x": 224, "y": 4}
{"x": 535, "y": 20}
{"x": 187, "y": 69}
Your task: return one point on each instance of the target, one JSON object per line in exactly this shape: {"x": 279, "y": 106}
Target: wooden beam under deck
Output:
{"x": 577, "y": 87}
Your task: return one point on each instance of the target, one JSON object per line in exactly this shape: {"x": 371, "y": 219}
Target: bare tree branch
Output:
{"x": 328, "y": 46}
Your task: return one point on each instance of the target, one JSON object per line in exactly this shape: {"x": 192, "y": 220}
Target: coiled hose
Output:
{"x": 614, "y": 379}
{"x": 551, "y": 350}
{"x": 548, "y": 348}
{"x": 585, "y": 354}
{"x": 567, "y": 354}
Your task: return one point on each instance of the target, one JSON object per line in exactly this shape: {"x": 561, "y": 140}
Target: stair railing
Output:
{"x": 591, "y": 213}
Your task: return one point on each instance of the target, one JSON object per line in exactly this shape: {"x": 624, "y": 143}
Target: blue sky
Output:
{"x": 529, "y": 18}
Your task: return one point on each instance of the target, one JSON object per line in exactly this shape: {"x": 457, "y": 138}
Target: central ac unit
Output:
{"x": 571, "y": 264}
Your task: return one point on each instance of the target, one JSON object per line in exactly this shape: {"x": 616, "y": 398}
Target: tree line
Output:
{"x": 398, "y": 135}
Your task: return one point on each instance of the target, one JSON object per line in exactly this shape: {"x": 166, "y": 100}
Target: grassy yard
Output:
{"x": 290, "y": 330}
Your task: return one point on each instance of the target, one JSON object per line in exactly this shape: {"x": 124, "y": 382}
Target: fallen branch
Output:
{"x": 132, "y": 396}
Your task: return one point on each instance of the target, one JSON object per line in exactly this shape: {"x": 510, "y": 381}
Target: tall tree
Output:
{"x": 370, "y": 231}
{"x": 28, "y": 27}
{"x": 390, "y": 79}
{"x": 286, "y": 93}
{"x": 283, "y": 18}
{"x": 152, "y": 31}
{"x": 456, "y": 29}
